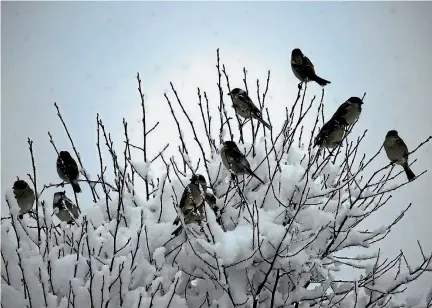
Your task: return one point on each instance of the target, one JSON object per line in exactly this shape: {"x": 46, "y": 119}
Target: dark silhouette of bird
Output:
{"x": 244, "y": 106}
{"x": 235, "y": 161}
{"x": 349, "y": 111}
{"x": 330, "y": 135}
{"x": 64, "y": 209}
{"x": 24, "y": 195}
{"x": 67, "y": 170}
{"x": 303, "y": 68}
{"x": 397, "y": 152}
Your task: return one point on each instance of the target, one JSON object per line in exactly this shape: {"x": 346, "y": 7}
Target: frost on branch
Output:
{"x": 280, "y": 244}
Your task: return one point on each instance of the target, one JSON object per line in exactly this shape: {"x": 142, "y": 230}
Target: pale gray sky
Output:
{"x": 85, "y": 56}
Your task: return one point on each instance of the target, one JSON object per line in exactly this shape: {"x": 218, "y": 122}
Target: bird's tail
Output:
{"x": 410, "y": 175}
{"x": 255, "y": 176}
{"x": 76, "y": 187}
{"x": 177, "y": 231}
{"x": 176, "y": 221}
{"x": 264, "y": 123}
{"x": 322, "y": 82}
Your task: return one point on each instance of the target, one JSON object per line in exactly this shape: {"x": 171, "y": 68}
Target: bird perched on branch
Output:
{"x": 64, "y": 209}
{"x": 397, "y": 152}
{"x": 192, "y": 202}
{"x": 235, "y": 161}
{"x": 244, "y": 106}
{"x": 67, "y": 170}
{"x": 24, "y": 195}
{"x": 330, "y": 135}
{"x": 303, "y": 68}
{"x": 349, "y": 111}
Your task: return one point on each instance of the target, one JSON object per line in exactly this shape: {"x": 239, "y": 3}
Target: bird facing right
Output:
{"x": 303, "y": 68}
{"x": 24, "y": 195}
{"x": 349, "y": 111}
{"x": 235, "y": 161}
{"x": 67, "y": 170}
{"x": 397, "y": 152}
{"x": 65, "y": 210}
{"x": 330, "y": 135}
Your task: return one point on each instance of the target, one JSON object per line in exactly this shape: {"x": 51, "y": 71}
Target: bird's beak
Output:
{"x": 229, "y": 94}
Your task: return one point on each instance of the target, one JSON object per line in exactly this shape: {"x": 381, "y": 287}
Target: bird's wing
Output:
{"x": 238, "y": 158}
{"x": 401, "y": 143}
{"x": 308, "y": 63}
{"x": 190, "y": 195}
{"x": 254, "y": 109}
{"x": 68, "y": 162}
{"x": 185, "y": 198}
{"x": 305, "y": 66}
{"x": 327, "y": 128}
{"x": 234, "y": 156}
{"x": 67, "y": 203}
{"x": 341, "y": 111}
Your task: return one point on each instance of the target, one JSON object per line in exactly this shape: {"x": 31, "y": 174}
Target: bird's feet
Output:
{"x": 20, "y": 216}
{"x": 300, "y": 85}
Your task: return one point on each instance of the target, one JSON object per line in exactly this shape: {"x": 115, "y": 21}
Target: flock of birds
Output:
{"x": 65, "y": 210}
{"x": 195, "y": 195}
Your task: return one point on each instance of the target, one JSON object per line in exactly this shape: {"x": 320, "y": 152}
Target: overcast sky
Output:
{"x": 85, "y": 55}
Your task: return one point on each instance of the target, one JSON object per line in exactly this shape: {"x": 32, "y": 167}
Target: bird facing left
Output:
{"x": 24, "y": 195}
{"x": 235, "y": 161}
{"x": 244, "y": 106}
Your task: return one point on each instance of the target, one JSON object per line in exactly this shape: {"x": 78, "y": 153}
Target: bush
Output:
{"x": 280, "y": 244}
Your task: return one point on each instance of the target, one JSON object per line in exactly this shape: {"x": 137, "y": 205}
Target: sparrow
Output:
{"x": 349, "y": 112}
{"x": 397, "y": 152}
{"x": 192, "y": 201}
{"x": 24, "y": 195}
{"x": 244, "y": 106}
{"x": 330, "y": 135}
{"x": 192, "y": 216}
{"x": 235, "y": 161}
{"x": 303, "y": 68}
{"x": 67, "y": 170}
{"x": 64, "y": 209}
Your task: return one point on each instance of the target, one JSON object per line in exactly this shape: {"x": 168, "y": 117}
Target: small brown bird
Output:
{"x": 244, "y": 106}
{"x": 303, "y": 68}
{"x": 67, "y": 170}
{"x": 330, "y": 135}
{"x": 24, "y": 195}
{"x": 397, "y": 152}
{"x": 191, "y": 216}
{"x": 235, "y": 161}
{"x": 192, "y": 201}
{"x": 349, "y": 111}
{"x": 64, "y": 209}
